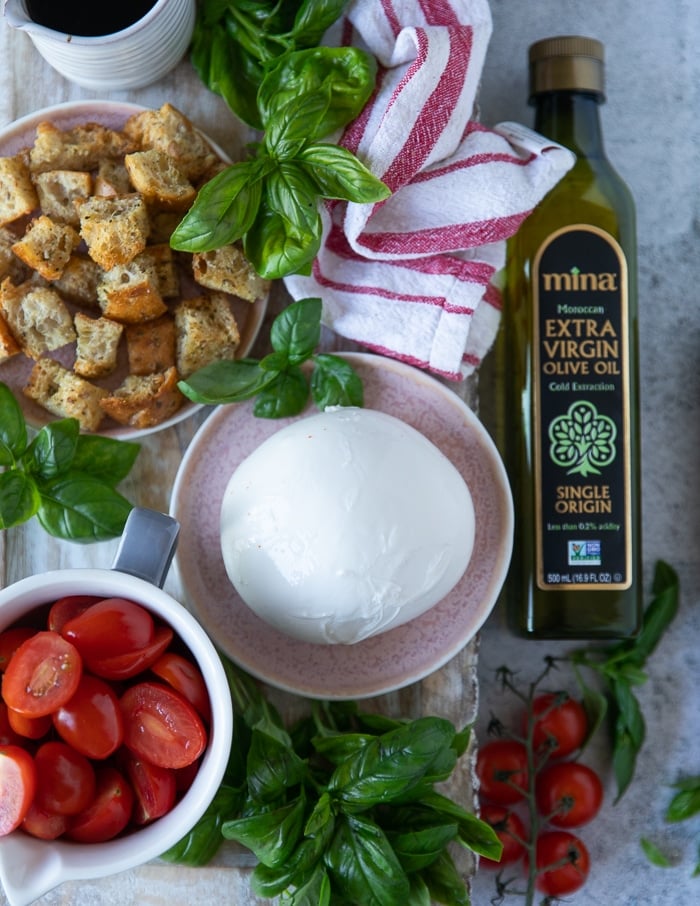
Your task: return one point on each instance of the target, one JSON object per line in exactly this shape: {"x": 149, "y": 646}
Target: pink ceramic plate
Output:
{"x": 385, "y": 662}
{"x": 15, "y": 371}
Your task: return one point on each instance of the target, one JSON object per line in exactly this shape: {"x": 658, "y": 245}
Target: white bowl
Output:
{"x": 30, "y": 867}
{"x": 135, "y": 56}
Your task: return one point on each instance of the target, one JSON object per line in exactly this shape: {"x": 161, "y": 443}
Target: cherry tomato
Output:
{"x": 8, "y": 736}
{"x": 568, "y": 793}
{"x": 67, "y": 608}
{"x": 501, "y": 767}
{"x": 126, "y": 666}
{"x": 154, "y": 787}
{"x": 184, "y": 777}
{"x": 186, "y": 678}
{"x": 561, "y": 724}
{"x": 510, "y": 831}
{"x": 161, "y": 726}
{"x": 44, "y": 825}
{"x": 17, "y": 786}
{"x": 91, "y": 721}
{"x": 111, "y": 627}
{"x": 65, "y": 779}
{"x": 42, "y": 675}
{"x": 563, "y": 863}
{"x": 29, "y": 727}
{"x": 10, "y": 640}
{"x": 109, "y": 812}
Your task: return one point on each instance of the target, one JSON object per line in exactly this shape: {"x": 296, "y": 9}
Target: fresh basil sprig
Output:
{"x": 278, "y": 380}
{"x": 64, "y": 478}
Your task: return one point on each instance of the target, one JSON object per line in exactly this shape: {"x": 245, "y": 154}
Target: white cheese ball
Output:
{"x": 345, "y": 524}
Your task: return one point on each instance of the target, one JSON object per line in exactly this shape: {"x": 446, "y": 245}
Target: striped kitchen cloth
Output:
{"x": 413, "y": 276}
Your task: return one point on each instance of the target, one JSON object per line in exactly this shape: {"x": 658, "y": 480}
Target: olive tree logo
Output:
{"x": 582, "y": 440}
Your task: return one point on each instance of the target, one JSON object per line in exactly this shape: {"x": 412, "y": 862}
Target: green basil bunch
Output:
{"x": 64, "y": 478}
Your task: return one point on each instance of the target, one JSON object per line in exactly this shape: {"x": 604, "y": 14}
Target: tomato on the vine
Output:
{"x": 562, "y": 862}
{"x": 568, "y": 793}
{"x": 560, "y": 726}
{"x": 501, "y": 767}
{"x": 43, "y": 675}
{"x": 510, "y": 830}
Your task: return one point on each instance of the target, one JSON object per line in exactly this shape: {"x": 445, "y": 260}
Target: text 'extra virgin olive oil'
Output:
{"x": 570, "y": 346}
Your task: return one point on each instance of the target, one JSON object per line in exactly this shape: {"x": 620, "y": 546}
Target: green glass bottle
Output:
{"x": 570, "y": 346}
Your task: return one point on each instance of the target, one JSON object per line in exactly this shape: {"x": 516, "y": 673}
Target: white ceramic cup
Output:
{"x": 135, "y": 56}
{"x": 30, "y": 867}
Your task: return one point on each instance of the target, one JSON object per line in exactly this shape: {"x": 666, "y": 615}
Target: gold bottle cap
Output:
{"x": 567, "y": 63}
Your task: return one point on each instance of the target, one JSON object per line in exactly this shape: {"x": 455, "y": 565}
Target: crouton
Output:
{"x": 206, "y": 332}
{"x": 161, "y": 258}
{"x": 115, "y": 229}
{"x": 79, "y": 280}
{"x": 80, "y": 148}
{"x": 38, "y": 317}
{"x": 162, "y": 225}
{"x": 58, "y": 191}
{"x": 97, "y": 346}
{"x": 8, "y": 345}
{"x": 228, "y": 270}
{"x": 112, "y": 179}
{"x": 65, "y": 394}
{"x": 170, "y": 131}
{"x": 156, "y": 176}
{"x": 144, "y": 401}
{"x": 17, "y": 193}
{"x": 151, "y": 346}
{"x": 46, "y": 246}
{"x": 130, "y": 292}
{"x": 10, "y": 264}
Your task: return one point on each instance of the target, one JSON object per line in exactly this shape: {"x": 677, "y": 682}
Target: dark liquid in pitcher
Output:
{"x": 87, "y": 17}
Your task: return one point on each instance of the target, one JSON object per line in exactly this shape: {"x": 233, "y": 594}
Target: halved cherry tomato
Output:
{"x": 29, "y": 727}
{"x": 186, "y": 678}
{"x": 126, "y": 666}
{"x": 184, "y": 777}
{"x": 91, "y": 721}
{"x": 109, "y": 812}
{"x": 155, "y": 788}
{"x": 568, "y": 794}
{"x": 43, "y": 674}
{"x": 17, "y": 786}
{"x": 501, "y": 767}
{"x": 563, "y": 863}
{"x": 68, "y": 608}
{"x": 510, "y": 830}
{"x": 162, "y": 726}
{"x": 65, "y": 779}
{"x": 10, "y": 640}
{"x": 111, "y": 627}
{"x": 8, "y": 736}
{"x": 44, "y": 825}
{"x": 561, "y": 724}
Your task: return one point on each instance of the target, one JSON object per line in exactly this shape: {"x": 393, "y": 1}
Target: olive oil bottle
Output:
{"x": 570, "y": 345}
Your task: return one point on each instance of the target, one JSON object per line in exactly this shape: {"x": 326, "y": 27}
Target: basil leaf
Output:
{"x": 291, "y": 194}
{"x": 316, "y": 891}
{"x": 474, "y": 833}
{"x": 296, "y": 331}
{"x": 334, "y": 382}
{"x": 271, "y": 836}
{"x": 314, "y": 18}
{"x": 81, "y": 508}
{"x": 285, "y": 396}
{"x": 654, "y": 854}
{"x": 273, "y": 767}
{"x": 225, "y": 382}
{"x": 19, "y": 498}
{"x": 445, "y": 883}
{"x": 13, "y": 429}
{"x": 419, "y": 846}
{"x": 276, "y": 248}
{"x": 659, "y": 614}
{"x": 293, "y": 123}
{"x": 339, "y": 174}
{"x": 200, "y": 845}
{"x": 105, "y": 458}
{"x": 629, "y": 712}
{"x": 298, "y": 869}
{"x": 686, "y": 802}
{"x": 341, "y": 746}
{"x": 53, "y": 449}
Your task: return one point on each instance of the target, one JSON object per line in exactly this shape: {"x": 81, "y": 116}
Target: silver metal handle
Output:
{"x": 147, "y": 545}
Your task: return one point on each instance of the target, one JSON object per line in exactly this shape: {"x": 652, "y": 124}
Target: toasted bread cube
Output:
{"x": 170, "y": 131}
{"x": 80, "y": 148}
{"x": 65, "y": 394}
{"x": 228, "y": 270}
{"x": 10, "y": 264}
{"x": 58, "y": 192}
{"x": 115, "y": 229}
{"x": 46, "y": 246}
{"x": 97, "y": 346}
{"x": 17, "y": 193}
{"x": 8, "y": 345}
{"x": 144, "y": 401}
{"x": 206, "y": 332}
{"x": 38, "y": 317}
{"x": 163, "y": 225}
{"x": 156, "y": 176}
{"x": 112, "y": 179}
{"x": 79, "y": 280}
{"x": 151, "y": 346}
{"x": 130, "y": 293}
{"x": 162, "y": 259}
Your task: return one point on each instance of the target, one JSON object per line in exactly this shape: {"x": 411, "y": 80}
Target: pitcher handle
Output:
{"x": 147, "y": 545}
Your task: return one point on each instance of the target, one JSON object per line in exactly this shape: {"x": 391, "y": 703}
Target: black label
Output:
{"x": 582, "y": 418}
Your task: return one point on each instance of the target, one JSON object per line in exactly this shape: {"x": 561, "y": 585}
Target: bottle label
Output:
{"x": 582, "y": 411}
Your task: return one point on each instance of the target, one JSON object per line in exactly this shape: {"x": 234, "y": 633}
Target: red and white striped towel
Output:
{"x": 411, "y": 277}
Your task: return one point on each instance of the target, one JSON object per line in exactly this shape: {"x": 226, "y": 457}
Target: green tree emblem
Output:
{"x": 582, "y": 440}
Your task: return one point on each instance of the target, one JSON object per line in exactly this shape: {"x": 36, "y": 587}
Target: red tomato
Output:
{"x": 162, "y": 726}
{"x": 65, "y": 779}
{"x": 111, "y": 627}
{"x": 17, "y": 786}
{"x": 561, "y": 724}
{"x": 109, "y": 812}
{"x": 10, "y": 640}
{"x": 29, "y": 727}
{"x": 42, "y": 675}
{"x": 568, "y": 794}
{"x": 91, "y": 722}
{"x": 44, "y": 825}
{"x": 510, "y": 831}
{"x": 186, "y": 678}
{"x": 501, "y": 767}
{"x": 563, "y": 863}
{"x": 184, "y": 777}
{"x": 155, "y": 788}
{"x": 126, "y": 666}
{"x": 67, "y": 608}
{"x": 8, "y": 736}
